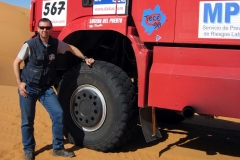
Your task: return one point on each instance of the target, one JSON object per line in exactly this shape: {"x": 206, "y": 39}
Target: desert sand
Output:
{"x": 198, "y": 139}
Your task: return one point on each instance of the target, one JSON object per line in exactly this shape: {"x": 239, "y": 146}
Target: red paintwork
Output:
{"x": 204, "y": 78}
{"x": 32, "y": 15}
{"x": 83, "y": 24}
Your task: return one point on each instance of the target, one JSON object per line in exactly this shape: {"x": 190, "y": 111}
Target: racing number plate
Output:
{"x": 56, "y": 11}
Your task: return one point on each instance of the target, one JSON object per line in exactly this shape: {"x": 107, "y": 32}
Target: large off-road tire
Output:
{"x": 99, "y": 104}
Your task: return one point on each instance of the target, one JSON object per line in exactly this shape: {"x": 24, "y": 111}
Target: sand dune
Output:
{"x": 198, "y": 139}
{"x": 14, "y": 27}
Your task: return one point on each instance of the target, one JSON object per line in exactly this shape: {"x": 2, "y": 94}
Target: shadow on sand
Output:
{"x": 197, "y": 135}
{"x": 49, "y": 147}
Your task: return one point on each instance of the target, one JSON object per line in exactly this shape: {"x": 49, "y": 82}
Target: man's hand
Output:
{"x": 22, "y": 89}
{"x": 78, "y": 53}
{"x": 89, "y": 61}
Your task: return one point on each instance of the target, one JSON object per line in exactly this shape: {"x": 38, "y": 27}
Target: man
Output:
{"x": 35, "y": 83}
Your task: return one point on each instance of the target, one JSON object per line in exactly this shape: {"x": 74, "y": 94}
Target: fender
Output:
{"x": 143, "y": 59}
{"x": 115, "y": 23}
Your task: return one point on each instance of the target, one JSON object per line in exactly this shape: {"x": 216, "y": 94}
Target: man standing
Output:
{"x": 35, "y": 83}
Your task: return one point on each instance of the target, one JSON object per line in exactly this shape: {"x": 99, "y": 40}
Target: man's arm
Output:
{"x": 78, "y": 53}
{"x": 16, "y": 69}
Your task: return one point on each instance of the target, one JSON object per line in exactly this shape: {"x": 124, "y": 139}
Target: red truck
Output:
{"x": 152, "y": 56}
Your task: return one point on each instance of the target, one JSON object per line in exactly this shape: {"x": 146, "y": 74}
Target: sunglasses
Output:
{"x": 42, "y": 27}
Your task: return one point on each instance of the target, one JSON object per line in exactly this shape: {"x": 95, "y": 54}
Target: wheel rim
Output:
{"x": 88, "y": 108}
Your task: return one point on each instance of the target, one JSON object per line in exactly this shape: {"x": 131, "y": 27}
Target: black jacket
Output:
{"x": 39, "y": 70}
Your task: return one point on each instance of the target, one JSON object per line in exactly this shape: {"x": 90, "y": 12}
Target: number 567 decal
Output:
{"x": 56, "y": 11}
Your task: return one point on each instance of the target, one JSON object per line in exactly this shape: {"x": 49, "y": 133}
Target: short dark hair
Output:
{"x": 44, "y": 20}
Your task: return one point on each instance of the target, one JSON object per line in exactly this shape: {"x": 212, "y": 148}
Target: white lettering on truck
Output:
{"x": 95, "y": 21}
{"x": 99, "y": 22}
{"x": 115, "y": 20}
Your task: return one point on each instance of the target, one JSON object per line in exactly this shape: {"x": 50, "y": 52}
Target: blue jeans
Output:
{"x": 48, "y": 99}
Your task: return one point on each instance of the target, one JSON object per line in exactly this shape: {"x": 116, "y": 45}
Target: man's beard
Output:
{"x": 44, "y": 36}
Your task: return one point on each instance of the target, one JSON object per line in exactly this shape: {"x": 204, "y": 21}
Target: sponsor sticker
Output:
{"x": 158, "y": 38}
{"x": 99, "y": 22}
{"x": 109, "y": 7}
{"x": 219, "y": 19}
{"x": 153, "y": 20}
{"x": 51, "y": 57}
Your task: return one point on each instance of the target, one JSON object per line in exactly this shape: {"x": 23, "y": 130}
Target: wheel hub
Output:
{"x": 88, "y": 108}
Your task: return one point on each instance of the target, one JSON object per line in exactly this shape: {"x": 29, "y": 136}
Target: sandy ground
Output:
{"x": 196, "y": 139}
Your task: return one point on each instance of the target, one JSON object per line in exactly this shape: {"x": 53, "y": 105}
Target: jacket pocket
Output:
{"x": 39, "y": 60}
{"x": 34, "y": 76}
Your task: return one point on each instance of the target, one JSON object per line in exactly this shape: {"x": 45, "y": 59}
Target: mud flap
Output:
{"x": 146, "y": 119}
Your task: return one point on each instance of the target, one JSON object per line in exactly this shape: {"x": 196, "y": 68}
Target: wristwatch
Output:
{"x": 85, "y": 57}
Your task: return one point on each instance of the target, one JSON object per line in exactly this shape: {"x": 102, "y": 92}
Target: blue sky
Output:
{"x": 21, "y": 3}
